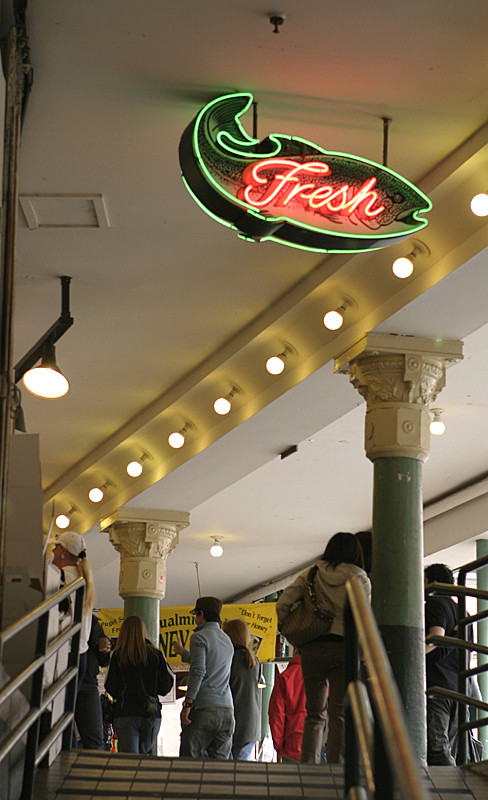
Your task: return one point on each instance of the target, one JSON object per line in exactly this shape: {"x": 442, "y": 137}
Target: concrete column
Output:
{"x": 482, "y": 581}
{"x": 400, "y": 376}
{"x": 145, "y": 538}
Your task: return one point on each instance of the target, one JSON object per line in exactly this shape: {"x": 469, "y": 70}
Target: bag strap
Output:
{"x": 313, "y": 596}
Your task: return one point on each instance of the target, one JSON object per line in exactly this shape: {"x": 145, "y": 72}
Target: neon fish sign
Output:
{"x": 289, "y": 190}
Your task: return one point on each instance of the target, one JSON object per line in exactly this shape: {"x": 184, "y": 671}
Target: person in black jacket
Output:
{"x": 88, "y": 710}
{"x": 441, "y": 670}
{"x": 138, "y": 673}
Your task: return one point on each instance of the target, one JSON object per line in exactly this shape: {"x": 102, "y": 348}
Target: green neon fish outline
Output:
{"x": 216, "y": 143}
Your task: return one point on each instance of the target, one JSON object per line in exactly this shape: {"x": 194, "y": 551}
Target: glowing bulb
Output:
{"x": 275, "y": 365}
{"x": 216, "y": 550}
{"x": 134, "y": 469}
{"x": 333, "y": 320}
{"x": 95, "y": 495}
{"x": 222, "y": 406}
{"x": 437, "y": 427}
{"x": 62, "y": 521}
{"x": 176, "y": 440}
{"x": 479, "y": 205}
{"x": 46, "y": 382}
{"x": 402, "y": 267}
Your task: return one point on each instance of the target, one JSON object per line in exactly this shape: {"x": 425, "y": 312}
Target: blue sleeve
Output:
{"x": 198, "y": 665}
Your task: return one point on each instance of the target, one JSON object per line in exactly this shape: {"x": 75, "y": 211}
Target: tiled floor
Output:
{"x": 97, "y": 775}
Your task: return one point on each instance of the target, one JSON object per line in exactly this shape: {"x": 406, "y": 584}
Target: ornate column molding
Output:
{"x": 144, "y": 538}
{"x": 399, "y": 376}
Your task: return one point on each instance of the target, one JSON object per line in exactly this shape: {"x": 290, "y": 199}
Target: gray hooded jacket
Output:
{"x": 329, "y": 581}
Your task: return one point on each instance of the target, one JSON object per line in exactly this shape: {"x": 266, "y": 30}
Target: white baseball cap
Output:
{"x": 73, "y": 542}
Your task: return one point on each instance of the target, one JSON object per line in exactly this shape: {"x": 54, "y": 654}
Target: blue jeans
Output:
{"x": 88, "y": 716}
{"x": 243, "y": 752}
{"x": 209, "y": 734}
{"x": 136, "y": 734}
{"x": 81, "y": 674}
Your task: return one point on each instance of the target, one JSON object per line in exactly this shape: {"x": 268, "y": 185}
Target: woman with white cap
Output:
{"x": 69, "y": 556}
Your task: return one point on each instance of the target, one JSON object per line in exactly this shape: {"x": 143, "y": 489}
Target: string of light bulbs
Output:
{"x": 275, "y": 365}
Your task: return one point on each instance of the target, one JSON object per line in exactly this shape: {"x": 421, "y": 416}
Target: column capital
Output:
{"x": 399, "y": 376}
{"x": 144, "y": 538}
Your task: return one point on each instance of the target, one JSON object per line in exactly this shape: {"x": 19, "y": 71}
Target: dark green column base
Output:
{"x": 405, "y": 648}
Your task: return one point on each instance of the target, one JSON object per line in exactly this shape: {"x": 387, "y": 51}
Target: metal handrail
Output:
{"x": 464, "y": 647}
{"x": 40, "y": 698}
{"x": 392, "y": 761}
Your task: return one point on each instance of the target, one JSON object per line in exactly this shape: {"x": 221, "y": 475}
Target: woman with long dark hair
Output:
{"x": 138, "y": 673}
{"x": 323, "y": 658}
{"x": 244, "y": 677}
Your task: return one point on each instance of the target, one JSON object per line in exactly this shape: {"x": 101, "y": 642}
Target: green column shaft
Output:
{"x": 482, "y": 581}
{"x": 397, "y": 580}
{"x": 148, "y": 609}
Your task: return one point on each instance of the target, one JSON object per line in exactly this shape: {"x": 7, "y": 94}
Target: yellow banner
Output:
{"x": 176, "y": 622}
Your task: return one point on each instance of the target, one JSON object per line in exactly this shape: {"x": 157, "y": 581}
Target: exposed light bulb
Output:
{"x": 134, "y": 469}
{"x": 222, "y": 406}
{"x": 176, "y": 440}
{"x": 479, "y": 205}
{"x": 333, "y": 320}
{"x": 216, "y": 550}
{"x": 275, "y": 365}
{"x": 402, "y": 267}
{"x": 95, "y": 494}
{"x": 46, "y": 382}
{"x": 62, "y": 521}
{"x": 437, "y": 427}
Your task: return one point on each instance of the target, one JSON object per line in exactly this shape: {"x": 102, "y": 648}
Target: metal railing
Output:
{"x": 376, "y": 733}
{"x": 40, "y": 697}
{"x": 464, "y": 644}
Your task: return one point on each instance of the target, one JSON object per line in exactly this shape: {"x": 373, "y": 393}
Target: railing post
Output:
{"x": 36, "y": 701}
{"x": 73, "y": 660}
{"x": 352, "y": 775}
{"x": 463, "y": 656}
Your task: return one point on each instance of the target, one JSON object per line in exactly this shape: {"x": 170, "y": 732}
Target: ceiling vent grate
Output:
{"x": 64, "y": 211}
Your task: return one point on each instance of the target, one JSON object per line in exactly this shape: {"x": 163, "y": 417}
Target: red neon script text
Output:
{"x": 278, "y": 181}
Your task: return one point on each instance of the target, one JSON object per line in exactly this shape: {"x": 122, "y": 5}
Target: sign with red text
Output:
{"x": 289, "y": 190}
{"x": 176, "y": 622}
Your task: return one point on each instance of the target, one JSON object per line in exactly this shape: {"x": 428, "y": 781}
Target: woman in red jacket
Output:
{"x": 287, "y": 711}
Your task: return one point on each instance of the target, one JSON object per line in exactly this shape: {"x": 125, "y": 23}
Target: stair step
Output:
{"x": 92, "y": 775}
{"x": 99, "y": 775}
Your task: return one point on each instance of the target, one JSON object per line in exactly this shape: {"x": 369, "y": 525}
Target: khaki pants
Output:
{"x": 323, "y": 668}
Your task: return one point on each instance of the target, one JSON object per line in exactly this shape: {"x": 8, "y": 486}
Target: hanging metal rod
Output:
{"x": 386, "y": 127}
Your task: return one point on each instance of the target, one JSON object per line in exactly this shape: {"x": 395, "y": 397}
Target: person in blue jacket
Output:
{"x": 207, "y": 716}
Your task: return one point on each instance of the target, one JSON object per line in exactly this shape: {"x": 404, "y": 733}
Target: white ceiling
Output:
{"x": 172, "y": 309}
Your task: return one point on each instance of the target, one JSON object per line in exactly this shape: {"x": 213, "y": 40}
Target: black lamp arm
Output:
{"x": 51, "y": 336}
